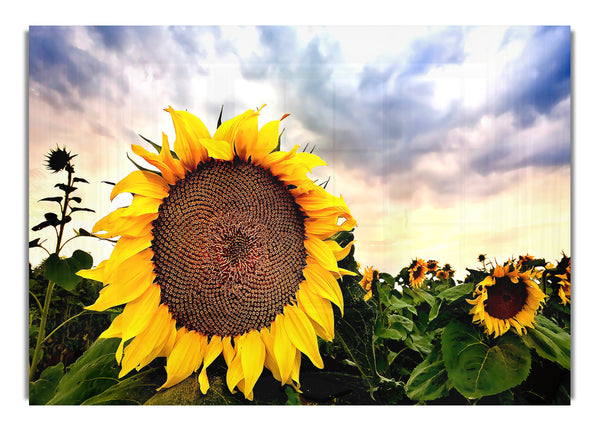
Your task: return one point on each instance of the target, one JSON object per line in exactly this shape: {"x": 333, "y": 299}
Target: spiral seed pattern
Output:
{"x": 228, "y": 248}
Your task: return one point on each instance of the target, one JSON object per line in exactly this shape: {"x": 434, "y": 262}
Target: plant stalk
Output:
{"x": 42, "y": 332}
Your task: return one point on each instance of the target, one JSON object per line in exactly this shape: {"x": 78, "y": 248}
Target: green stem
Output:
{"x": 36, "y": 300}
{"x": 42, "y": 331}
{"x": 35, "y": 360}
{"x": 62, "y": 324}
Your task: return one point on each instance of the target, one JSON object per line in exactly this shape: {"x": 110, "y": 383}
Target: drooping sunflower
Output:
{"x": 367, "y": 281}
{"x": 225, "y": 250}
{"x": 507, "y": 297}
{"x": 416, "y": 272}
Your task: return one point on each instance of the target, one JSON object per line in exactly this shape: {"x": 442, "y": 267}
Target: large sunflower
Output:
{"x": 224, "y": 251}
{"x": 507, "y": 297}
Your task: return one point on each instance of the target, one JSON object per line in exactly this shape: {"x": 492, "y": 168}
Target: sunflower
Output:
{"x": 369, "y": 277}
{"x": 526, "y": 258}
{"x": 58, "y": 159}
{"x": 507, "y": 297}
{"x": 445, "y": 272}
{"x": 416, "y": 272}
{"x": 432, "y": 265}
{"x": 564, "y": 289}
{"x": 224, "y": 251}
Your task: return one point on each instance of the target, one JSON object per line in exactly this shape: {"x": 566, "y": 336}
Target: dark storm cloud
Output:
{"x": 65, "y": 73}
{"x": 541, "y": 77}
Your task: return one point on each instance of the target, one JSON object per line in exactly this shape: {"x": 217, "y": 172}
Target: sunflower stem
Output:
{"x": 42, "y": 331}
{"x": 62, "y": 324}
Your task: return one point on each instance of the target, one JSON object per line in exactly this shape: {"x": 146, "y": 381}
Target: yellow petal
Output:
{"x": 339, "y": 252}
{"x": 189, "y": 129}
{"x": 245, "y": 138}
{"x": 302, "y": 334}
{"x": 214, "y": 349}
{"x": 134, "y": 277}
{"x": 283, "y": 349}
{"x": 321, "y": 283}
{"x": 156, "y": 161}
{"x": 252, "y": 352}
{"x": 222, "y": 150}
{"x": 318, "y": 309}
{"x": 144, "y": 343}
{"x": 185, "y": 358}
{"x": 268, "y": 137}
{"x": 96, "y": 274}
{"x": 318, "y": 250}
{"x": 142, "y": 183}
{"x": 138, "y": 313}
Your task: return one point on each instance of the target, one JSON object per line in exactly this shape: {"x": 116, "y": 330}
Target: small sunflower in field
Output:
{"x": 524, "y": 259}
{"x": 416, "y": 272}
{"x": 506, "y": 298}
{"x": 224, "y": 251}
{"x": 564, "y": 290}
{"x": 432, "y": 265}
{"x": 367, "y": 281}
{"x": 445, "y": 272}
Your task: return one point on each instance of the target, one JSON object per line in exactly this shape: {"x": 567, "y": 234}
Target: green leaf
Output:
{"x": 76, "y": 199}
{"x": 429, "y": 380}
{"x": 43, "y": 389}
{"x": 66, "y": 188}
{"x": 80, "y": 180}
{"x": 293, "y": 398}
{"x": 52, "y": 199}
{"x": 424, "y": 296}
{"x": 435, "y": 310}
{"x": 399, "y": 321}
{"x": 73, "y": 209}
{"x": 62, "y": 271}
{"x": 136, "y": 389}
{"x": 420, "y": 343}
{"x": 478, "y": 367}
{"x": 549, "y": 341}
{"x": 397, "y": 304}
{"x": 93, "y": 373}
{"x": 219, "y": 120}
{"x": 355, "y": 331}
{"x": 456, "y": 292}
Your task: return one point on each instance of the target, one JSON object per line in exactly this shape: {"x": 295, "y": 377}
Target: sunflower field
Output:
{"x": 233, "y": 281}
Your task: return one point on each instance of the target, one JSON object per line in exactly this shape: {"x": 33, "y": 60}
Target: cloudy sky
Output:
{"x": 446, "y": 142}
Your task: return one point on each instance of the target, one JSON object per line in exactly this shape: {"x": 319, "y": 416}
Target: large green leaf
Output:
{"x": 550, "y": 341}
{"x": 429, "y": 379}
{"x": 136, "y": 389}
{"x": 453, "y": 293}
{"x": 63, "y": 271}
{"x": 43, "y": 389}
{"x": 94, "y": 372}
{"x": 478, "y": 367}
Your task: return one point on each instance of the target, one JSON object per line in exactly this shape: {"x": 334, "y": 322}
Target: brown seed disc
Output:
{"x": 228, "y": 248}
{"x": 505, "y": 298}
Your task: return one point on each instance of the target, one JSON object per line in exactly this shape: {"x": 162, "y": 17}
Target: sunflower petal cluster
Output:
{"x": 162, "y": 315}
{"x": 506, "y": 298}
{"x": 367, "y": 281}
